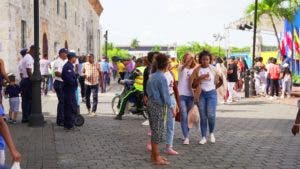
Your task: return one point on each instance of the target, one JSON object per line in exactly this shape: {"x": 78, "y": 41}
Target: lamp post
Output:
{"x": 36, "y": 118}
{"x": 252, "y": 83}
{"x": 106, "y": 43}
{"x": 219, "y": 38}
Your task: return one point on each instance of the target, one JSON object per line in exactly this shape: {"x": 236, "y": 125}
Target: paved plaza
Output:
{"x": 254, "y": 133}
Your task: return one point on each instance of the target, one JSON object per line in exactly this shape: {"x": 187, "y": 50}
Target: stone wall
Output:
{"x": 80, "y": 29}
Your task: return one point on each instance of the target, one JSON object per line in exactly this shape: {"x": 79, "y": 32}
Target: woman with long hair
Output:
{"x": 185, "y": 93}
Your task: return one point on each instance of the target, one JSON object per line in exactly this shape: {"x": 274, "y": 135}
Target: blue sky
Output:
{"x": 175, "y": 21}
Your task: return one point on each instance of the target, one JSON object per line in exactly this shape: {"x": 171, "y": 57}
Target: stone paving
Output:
{"x": 250, "y": 134}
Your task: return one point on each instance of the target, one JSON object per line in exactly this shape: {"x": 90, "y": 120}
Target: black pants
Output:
{"x": 268, "y": 85}
{"x": 91, "y": 89}
{"x": 274, "y": 87}
{"x": 58, "y": 87}
{"x": 82, "y": 86}
{"x": 26, "y": 89}
{"x": 70, "y": 108}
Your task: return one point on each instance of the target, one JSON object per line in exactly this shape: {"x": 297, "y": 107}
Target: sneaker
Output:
{"x": 289, "y": 96}
{"x": 118, "y": 117}
{"x": 145, "y": 123}
{"x": 212, "y": 138}
{"x": 202, "y": 141}
{"x": 282, "y": 96}
{"x": 149, "y": 147}
{"x": 186, "y": 141}
{"x": 170, "y": 151}
{"x": 93, "y": 114}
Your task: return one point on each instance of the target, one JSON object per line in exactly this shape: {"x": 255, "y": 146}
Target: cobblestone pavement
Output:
{"x": 250, "y": 134}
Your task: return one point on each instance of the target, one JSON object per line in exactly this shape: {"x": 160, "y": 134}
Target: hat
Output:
{"x": 63, "y": 50}
{"x": 10, "y": 75}
{"x": 172, "y": 56}
{"x": 23, "y": 52}
{"x": 71, "y": 54}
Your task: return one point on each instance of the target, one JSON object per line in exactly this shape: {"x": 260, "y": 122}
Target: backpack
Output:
{"x": 274, "y": 71}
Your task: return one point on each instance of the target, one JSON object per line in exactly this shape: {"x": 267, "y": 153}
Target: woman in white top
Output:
{"x": 185, "y": 92}
{"x": 210, "y": 80}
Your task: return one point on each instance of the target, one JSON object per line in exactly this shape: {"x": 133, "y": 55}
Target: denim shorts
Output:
{"x": 14, "y": 104}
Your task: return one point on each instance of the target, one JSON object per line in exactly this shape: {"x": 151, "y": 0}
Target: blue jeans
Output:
{"x": 207, "y": 109}
{"x": 91, "y": 89}
{"x": 186, "y": 103}
{"x": 170, "y": 123}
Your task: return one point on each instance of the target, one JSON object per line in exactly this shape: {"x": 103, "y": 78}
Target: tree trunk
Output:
{"x": 275, "y": 30}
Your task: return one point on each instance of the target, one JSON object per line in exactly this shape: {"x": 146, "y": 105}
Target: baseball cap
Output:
{"x": 71, "y": 54}
{"x": 63, "y": 50}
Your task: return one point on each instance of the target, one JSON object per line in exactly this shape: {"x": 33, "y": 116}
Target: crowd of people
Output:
{"x": 165, "y": 87}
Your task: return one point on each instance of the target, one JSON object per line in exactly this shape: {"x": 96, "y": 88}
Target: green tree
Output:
{"x": 156, "y": 48}
{"x": 134, "y": 44}
{"x": 275, "y": 9}
{"x": 114, "y": 51}
{"x": 267, "y": 7}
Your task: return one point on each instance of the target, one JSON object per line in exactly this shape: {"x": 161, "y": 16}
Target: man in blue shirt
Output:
{"x": 69, "y": 88}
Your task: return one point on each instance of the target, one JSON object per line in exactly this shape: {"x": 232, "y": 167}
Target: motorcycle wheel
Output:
{"x": 79, "y": 120}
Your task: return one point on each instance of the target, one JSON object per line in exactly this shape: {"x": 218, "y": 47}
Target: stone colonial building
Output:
{"x": 73, "y": 24}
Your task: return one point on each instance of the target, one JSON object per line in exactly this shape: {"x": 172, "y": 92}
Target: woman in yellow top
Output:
{"x": 174, "y": 68}
{"x": 121, "y": 69}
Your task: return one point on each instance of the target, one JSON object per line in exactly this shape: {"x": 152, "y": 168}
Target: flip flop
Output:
{"x": 161, "y": 162}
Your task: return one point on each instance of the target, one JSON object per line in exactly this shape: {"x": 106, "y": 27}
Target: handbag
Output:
{"x": 193, "y": 117}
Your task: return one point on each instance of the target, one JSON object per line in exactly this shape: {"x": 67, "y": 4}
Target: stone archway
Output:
{"x": 45, "y": 45}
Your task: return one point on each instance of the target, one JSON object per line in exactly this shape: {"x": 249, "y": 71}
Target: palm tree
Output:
{"x": 275, "y": 9}
{"x": 269, "y": 8}
{"x": 134, "y": 44}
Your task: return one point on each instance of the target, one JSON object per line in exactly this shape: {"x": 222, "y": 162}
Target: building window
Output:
{"x": 57, "y": 7}
{"x": 65, "y": 10}
{"x": 23, "y": 34}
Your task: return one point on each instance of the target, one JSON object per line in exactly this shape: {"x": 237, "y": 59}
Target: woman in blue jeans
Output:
{"x": 185, "y": 93}
{"x": 209, "y": 80}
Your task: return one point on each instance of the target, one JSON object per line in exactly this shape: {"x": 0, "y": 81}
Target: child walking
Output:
{"x": 286, "y": 81}
{"x": 13, "y": 91}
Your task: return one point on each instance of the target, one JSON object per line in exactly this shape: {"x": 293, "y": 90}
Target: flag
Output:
{"x": 296, "y": 41}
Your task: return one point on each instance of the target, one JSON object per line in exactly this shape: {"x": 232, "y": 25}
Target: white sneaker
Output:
{"x": 145, "y": 123}
{"x": 212, "y": 138}
{"x": 202, "y": 141}
{"x": 282, "y": 96}
{"x": 186, "y": 141}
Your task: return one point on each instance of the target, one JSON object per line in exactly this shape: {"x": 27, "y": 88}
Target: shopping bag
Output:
{"x": 16, "y": 165}
{"x": 193, "y": 117}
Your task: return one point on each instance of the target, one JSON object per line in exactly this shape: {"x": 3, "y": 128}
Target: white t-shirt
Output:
{"x": 209, "y": 83}
{"x": 27, "y": 63}
{"x": 58, "y": 65}
{"x": 170, "y": 81}
{"x": 183, "y": 82}
{"x": 44, "y": 66}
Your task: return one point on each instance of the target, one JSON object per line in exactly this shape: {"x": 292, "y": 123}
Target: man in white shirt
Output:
{"x": 58, "y": 84}
{"x": 26, "y": 69}
{"x": 44, "y": 67}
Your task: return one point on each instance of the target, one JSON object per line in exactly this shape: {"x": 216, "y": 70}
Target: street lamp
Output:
{"x": 106, "y": 42}
{"x": 252, "y": 83}
{"x": 219, "y": 38}
{"x": 36, "y": 118}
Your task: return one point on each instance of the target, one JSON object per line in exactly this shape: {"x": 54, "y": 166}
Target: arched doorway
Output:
{"x": 45, "y": 45}
{"x": 66, "y": 44}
